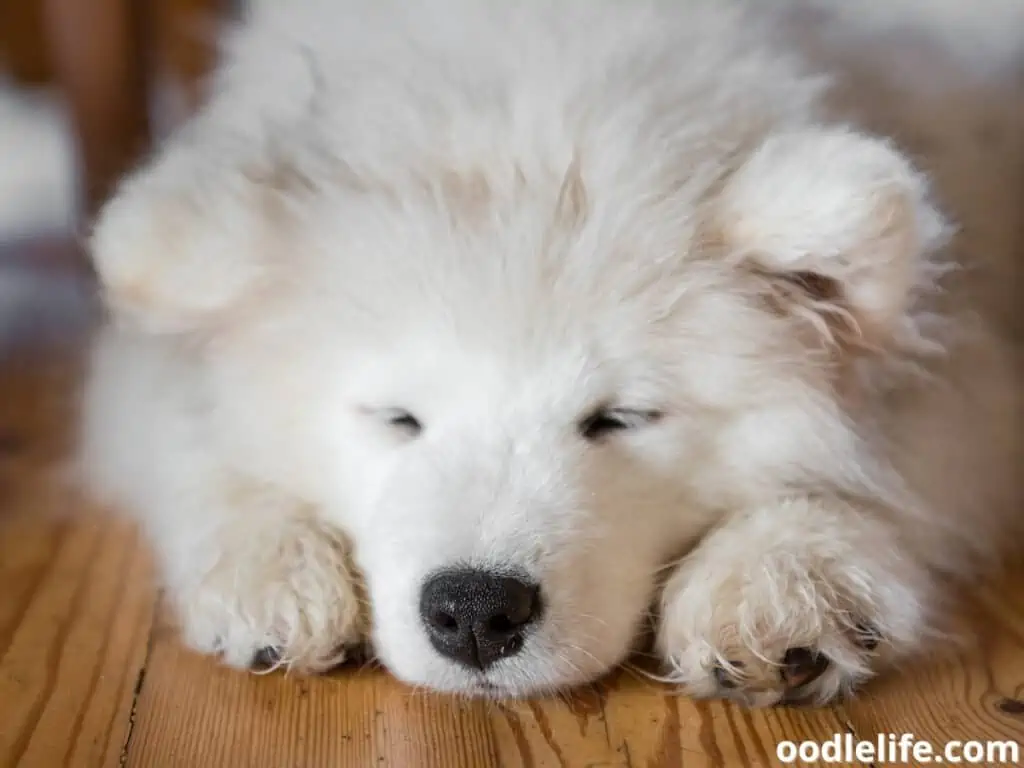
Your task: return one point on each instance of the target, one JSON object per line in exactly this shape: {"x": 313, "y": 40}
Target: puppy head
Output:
{"x": 522, "y": 394}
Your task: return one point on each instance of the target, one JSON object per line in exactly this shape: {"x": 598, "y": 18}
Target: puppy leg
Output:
{"x": 257, "y": 582}
{"x": 246, "y": 568}
{"x": 799, "y": 601}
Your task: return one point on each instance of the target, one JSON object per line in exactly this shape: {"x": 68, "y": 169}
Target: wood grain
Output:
{"x": 76, "y": 599}
{"x": 88, "y": 676}
{"x": 976, "y": 693}
{"x": 191, "y": 713}
{"x": 73, "y": 632}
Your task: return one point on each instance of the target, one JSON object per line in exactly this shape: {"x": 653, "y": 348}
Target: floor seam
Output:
{"x": 844, "y": 718}
{"x": 140, "y": 681}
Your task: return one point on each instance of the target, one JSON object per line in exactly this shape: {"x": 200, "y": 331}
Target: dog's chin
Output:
{"x": 503, "y": 689}
{"x": 485, "y": 689}
{"x": 515, "y": 679}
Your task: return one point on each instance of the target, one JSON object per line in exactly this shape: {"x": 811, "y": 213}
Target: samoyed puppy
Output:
{"x": 481, "y": 332}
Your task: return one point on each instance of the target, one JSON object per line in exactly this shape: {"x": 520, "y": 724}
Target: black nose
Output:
{"x": 476, "y": 617}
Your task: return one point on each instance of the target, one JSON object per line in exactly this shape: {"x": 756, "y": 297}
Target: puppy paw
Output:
{"x": 803, "y": 622}
{"x": 280, "y": 598}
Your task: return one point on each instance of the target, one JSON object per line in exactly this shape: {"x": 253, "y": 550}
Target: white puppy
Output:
{"x": 537, "y": 314}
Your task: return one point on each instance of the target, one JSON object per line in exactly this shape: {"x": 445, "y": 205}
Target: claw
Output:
{"x": 266, "y": 658}
{"x": 722, "y": 676}
{"x": 866, "y": 636}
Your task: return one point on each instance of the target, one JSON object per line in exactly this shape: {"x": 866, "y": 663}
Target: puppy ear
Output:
{"x": 182, "y": 242}
{"x": 840, "y": 225}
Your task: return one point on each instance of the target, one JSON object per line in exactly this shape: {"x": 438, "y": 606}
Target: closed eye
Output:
{"x": 605, "y": 421}
{"x": 403, "y": 421}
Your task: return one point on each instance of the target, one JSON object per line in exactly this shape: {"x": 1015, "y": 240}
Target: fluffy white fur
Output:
{"x": 500, "y": 217}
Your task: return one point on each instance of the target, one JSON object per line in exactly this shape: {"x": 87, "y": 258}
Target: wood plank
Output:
{"x": 661, "y": 728}
{"x": 76, "y": 604}
{"x": 73, "y": 629}
{"x": 193, "y": 713}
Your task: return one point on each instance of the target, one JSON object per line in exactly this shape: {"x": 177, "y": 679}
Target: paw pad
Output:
{"x": 801, "y": 666}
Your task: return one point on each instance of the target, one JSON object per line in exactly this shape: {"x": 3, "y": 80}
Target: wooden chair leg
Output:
{"x": 102, "y": 64}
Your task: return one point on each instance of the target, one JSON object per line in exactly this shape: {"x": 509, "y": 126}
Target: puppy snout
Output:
{"x": 477, "y": 617}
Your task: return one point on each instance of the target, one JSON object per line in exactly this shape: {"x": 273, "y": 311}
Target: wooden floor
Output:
{"x": 91, "y": 673}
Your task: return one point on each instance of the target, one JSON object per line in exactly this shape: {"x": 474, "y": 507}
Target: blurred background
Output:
{"x": 86, "y": 88}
